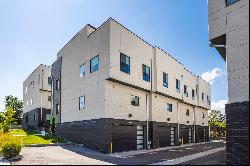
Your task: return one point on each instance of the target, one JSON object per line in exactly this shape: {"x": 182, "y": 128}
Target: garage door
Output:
{"x": 166, "y": 136}
{"x": 202, "y": 134}
{"x": 124, "y": 138}
{"x": 186, "y": 135}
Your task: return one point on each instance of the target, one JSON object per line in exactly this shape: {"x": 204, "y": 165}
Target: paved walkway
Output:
{"x": 4, "y": 161}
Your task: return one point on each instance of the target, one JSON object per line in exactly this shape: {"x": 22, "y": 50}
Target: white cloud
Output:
{"x": 219, "y": 105}
{"x": 210, "y": 76}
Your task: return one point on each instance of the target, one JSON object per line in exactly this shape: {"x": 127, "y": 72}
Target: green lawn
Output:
{"x": 29, "y": 137}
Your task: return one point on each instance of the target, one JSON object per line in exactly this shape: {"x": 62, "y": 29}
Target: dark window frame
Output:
{"x": 178, "y": 85}
{"x": 186, "y": 90}
{"x": 230, "y": 2}
{"x": 125, "y": 68}
{"x": 187, "y": 112}
{"x": 146, "y": 76}
{"x": 92, "y": 69}
{"x": 57, "y": 85}
{"x": 135, "y": 100}
{"x": 57, "y": 108}
{"x": 81, "y": 108}
{"x": 83, "y": 74}
{"x": 49, "y": 81}
{"x": 193, "y": 94}
{"x": 165, "y": 79}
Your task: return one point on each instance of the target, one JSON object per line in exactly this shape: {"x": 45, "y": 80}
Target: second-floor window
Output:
{"x": 49, "y": 81}
{"x": 135, "y": 101}
{"x": 81, "y": 102}
{"x": 26, "y": 90}
{"x": 169, "y": 107}
{"x": 146, "y": 73}
{"x": 165, "y": 79}
{"x": 185, "y": 91}
{"x": 187, "y": 112}
{"x": 31, "y": 101}
{"x": 202, "y": 97}
{"x": 208, "y": 100}
{"x": 230, "y": 2}
{"x": 82, "y": 70}
{"x": 203, "y": 115}
{"x": 124, "y": 63}
{"x": 94, "y": 64}
{"x": 193, "y": 94}
{"x": 178, "y": 85}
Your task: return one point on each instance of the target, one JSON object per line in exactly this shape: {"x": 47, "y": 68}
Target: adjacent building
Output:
{"x": 37, "y": 98}
{"x": 113, "y": 91}
{"x": 229, "y": 34}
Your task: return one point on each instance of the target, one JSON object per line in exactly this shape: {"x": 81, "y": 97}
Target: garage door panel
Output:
{"x": 164, "y": 136}
{"x": 124, "y": 138}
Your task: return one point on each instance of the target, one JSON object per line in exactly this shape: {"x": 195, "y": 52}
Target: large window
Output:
{"x": 81, "y": 102}
{"x": 178, "y": 85}
{"x": 82, "y": 70}
{"x": 230, "y": 2}
{"x": 94, "y": 64}
{"x": 165, "y": 79}
{"x": 146, "y": 73}
{"x": 124, "y": 63}
{"x": 169, "y": 107}
{"x": 185, "y": 91}
{"x": 135, "y": 100}
{"x": 193, "y": 94}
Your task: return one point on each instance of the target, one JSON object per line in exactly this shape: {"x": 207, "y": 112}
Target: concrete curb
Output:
{"x": 44, "y": 145}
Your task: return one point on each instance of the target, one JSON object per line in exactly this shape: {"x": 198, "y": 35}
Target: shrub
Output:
{"x": 10, "y": 146}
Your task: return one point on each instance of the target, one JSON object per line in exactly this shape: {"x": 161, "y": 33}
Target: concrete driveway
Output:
{"x": 54, "y": 155}
{"x": 195, "y": 154}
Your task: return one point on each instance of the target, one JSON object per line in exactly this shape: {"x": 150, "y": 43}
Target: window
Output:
{"x": 34, "y": 117}
{"x": 169, "y": 107}
{"x": 208, "y": 100}
{"x": 57, "y": 85}
{"x": 146, "y": 73}
{"x": 193, "y": 94}
{"x": 94, "y": 64}
{"x": 124, "y": 63}
{"x": 31, "y": 101}
{"x": 81, "y": 102}
{"x": 230, "y": 2}
{"x": 27, "y": 103}
{"x": 57, "y": 108}
{"x": 185, "y": 91}
{"x": 202, "y": 96}
{"x": 187, "y": 112}
{"x": 49, "y": 98}
{"x": 178, "y": 85}
{"x": 26, "y": 90}
{"x": 82, "y": 70}
{"x": 203, "y": 115}
{"x": 135, "y": 101}
{"x": 49, "y": 81}
{"x": 165, "y": 79}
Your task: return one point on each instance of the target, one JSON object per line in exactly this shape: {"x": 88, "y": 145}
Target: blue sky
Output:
{"x": 33, "y": 31}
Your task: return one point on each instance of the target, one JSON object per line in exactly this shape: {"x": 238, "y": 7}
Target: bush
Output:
{"x": 10, "y": 146}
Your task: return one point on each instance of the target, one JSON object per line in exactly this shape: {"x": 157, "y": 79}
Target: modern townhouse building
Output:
{"x": 37, "y": 98}
{"x": 112, "y": 91}
{"x": 229, "y": 34}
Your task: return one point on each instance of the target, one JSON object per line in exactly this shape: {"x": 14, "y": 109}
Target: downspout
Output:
{"x": 194, "y": 135}
{"x": 41, "y": 96}
{"x": 178, "y": 123}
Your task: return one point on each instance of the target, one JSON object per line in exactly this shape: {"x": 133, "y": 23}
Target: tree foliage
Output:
{"x": 7, "y": 118}
{"x": 17, "y": 106}
{"x": 217, "y": 122}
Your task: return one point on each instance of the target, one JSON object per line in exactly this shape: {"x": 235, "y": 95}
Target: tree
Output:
{"x": 217, "y": 122}
{"x": 7, "y": 118}
{"x": 17, "y": 106}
